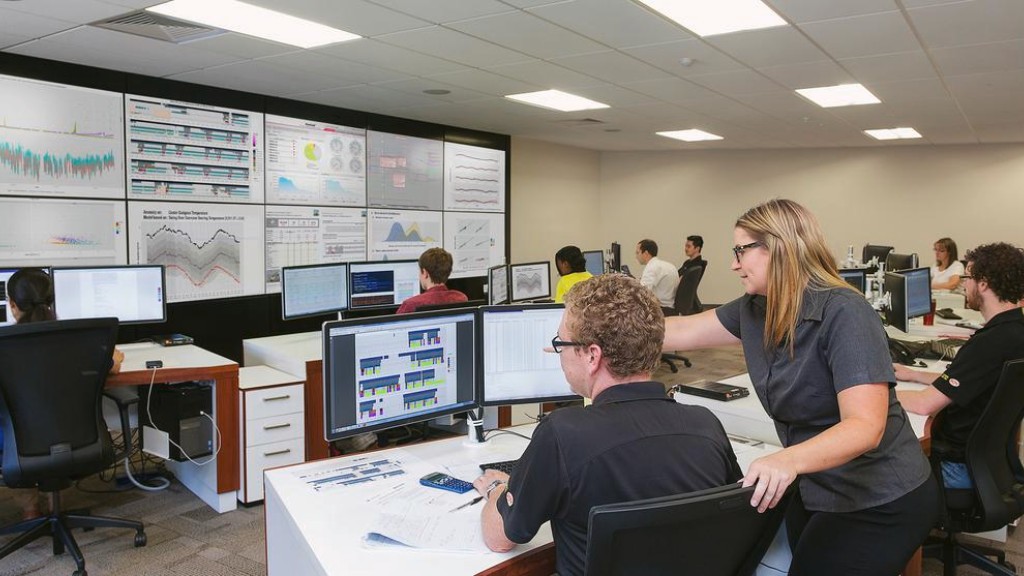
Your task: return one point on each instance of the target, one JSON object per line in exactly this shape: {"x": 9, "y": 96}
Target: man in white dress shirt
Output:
{"x": 659, "y": 276}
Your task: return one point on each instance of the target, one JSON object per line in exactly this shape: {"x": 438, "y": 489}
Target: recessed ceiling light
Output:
{"x": 841, "y": 95}
{"x": 904, "y": 133}
{"x": 691, "y": 135}
{"x": 437, "y": 91}
{"x": 254, "y": 21}
{"x": 705, "y": 18}
{"x": 556, "y": 100}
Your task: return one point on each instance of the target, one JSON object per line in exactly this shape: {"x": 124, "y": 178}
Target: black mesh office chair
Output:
{"x": 50, "y": 390}
{"x": 995, "y": 468}
{"x": 686, "y": 303}
{"x": 713, "y": 532}
{"x": 870, "y": 251}
{"x": 895, "y": 262}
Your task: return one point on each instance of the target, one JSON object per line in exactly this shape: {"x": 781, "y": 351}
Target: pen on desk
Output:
{"x": 467, "y": 504}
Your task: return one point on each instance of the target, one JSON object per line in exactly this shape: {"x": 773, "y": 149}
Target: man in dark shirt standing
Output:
{"x": 435, "y": 267}
{"x": 692, "y": 249}
{"x": 994, "y": 285}
{"x": 633, "y": 442}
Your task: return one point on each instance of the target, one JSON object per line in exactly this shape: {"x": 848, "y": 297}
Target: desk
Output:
{"x": 300, "y": 355}
{"x": 216, "y": 485}
{"x": 320, "y": 533}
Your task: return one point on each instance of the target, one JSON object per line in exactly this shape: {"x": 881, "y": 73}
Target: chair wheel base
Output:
{"x": 140, "y": 539}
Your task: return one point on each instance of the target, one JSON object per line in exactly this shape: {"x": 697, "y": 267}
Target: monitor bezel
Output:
{"x": 163, "y": 287}
{"x": 325, "y": 340}
{"x": 511, "y": 289}
{"x": 480, "y": 368}
{"x": 895, "y": 285}
{"x": 862, "y": 274}
{"x": 920, "y": 271}
{"x": 348, "y": 296}
{"x": 377, "y": 262}
{"x": 490, "y": 293}
{"x": 604, "y": 265}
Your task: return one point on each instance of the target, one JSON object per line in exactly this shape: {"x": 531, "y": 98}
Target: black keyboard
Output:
{"x": 505, "y": 466}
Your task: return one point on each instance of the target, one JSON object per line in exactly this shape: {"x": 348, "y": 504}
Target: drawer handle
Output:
{"x": 276, "y": 426}
{"x": 271, "y": 398}
{"x": 285, "y": 451}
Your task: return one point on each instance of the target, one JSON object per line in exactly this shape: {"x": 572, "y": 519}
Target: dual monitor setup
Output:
{"x": 514, "y": 283}
{"x": 132, "y": 294}
{"x": 909, "y": 293}
{"x": 389, "y": 371}
{"x": 327, "y": 288}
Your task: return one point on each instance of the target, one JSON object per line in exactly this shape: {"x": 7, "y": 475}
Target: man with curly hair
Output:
{"x": 994, "y": 285}
{"x": 633, "y": 442}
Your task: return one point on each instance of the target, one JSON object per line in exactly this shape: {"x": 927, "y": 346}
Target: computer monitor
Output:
{"x": 530, "y": 281}
{"x": 856, "y": 277}
{"x": 377, "y": 284}
{"x": 910, "y": 296}
{"x": 616, "y": 257}
{"x": 313, "y": 290}
{"x": 595, "y": 261}
{"x": 497, "y": 284}
{"x": 468, "y": 304}
{"x": 387, "y": 371}
{"x": 895, "y": 262}
{"x": 513, "y": 367}
{"x": 134, "y": 294}
{"x": 871, "y": 251}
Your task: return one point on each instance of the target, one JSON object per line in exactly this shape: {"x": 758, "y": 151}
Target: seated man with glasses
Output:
{"x": 632, "y": 443}
{"x": 994, "y": 286}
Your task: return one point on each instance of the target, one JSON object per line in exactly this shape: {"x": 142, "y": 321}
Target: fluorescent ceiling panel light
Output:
{"x": 893, "y": 133}
{"x": 707, "y": 18}
{"x": 253, "y": 21}
{"x": 841, "y": 95}
{"x": 556, "y": 100}
{"x": 691, "y": 135}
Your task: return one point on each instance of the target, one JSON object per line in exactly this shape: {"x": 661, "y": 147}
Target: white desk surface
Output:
{"x": 311, "y": 532}
{"x": 288, "y": 353}
{"x": 188, "y": 356}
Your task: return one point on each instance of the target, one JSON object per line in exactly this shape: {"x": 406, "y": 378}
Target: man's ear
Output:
{"x": 594, "y": 356}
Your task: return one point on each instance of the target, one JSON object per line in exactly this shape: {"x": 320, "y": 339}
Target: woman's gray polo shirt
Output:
{"x": 840, "y": 343}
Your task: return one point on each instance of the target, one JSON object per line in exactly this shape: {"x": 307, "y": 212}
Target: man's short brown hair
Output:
{"x": 618, "y": 314}
{"x": 438, "y": 264}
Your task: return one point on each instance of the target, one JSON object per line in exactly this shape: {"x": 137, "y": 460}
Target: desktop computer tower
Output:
{"x": 178, "y": 410}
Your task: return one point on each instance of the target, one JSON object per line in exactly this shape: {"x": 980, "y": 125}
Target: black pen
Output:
{"x": 467, "y": 504}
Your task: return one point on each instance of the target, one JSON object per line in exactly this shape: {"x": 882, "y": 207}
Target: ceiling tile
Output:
{"x": 801, "y": 11}
{"x": 376, "y": 53}
{"x": 528, "y": 34}
{"x": 994, "y": 57}
{"x": 486, "y": 82}
{"x": 1000, "y": 132}
{"x": 443, "y": 11}
{"x": 804, "y": 74}
{"x": 356, "y": 16}
{"x": 780, "y": 104}
{"x": 736, "y": 82}
{"x": 769, "y": 47}
{"x": 455, "y": 46}
{"x": 260, "y": 77}
{"x": 706, "y": 59}
{"x": 341, "y": 72}
{"x": 367, "y": 98}
{"x": 79, "y": 11}
{"x": 545, "y": 74}
{"x": 615, "y": 96}
{"x": 863, "y": 35}
{"x": 671, "y": 89}
{"x": 242, "y": 46}
{"x": 416, "y": 86}
{"x": 977, "y": 22}
{"x": 10, "y": 40}
{"x": 869, "y": 70}
{"x": 614, "y": 22}
{"x": 613, "y": 67}
{"x": 29, "y": 25}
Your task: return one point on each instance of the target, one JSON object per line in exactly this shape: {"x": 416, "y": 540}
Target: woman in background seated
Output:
{"x": 572, "y": 267}
{"x": 30, "y": 299}
{"x": 948, "y": 269}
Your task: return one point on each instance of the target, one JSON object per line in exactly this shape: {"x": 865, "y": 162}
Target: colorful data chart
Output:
{"x": 370, "y": 366}
{"x": 379, "y": 386}
{"x": 421, "y": 358}
{"x": 420, "y": 400}
{"x": 421, "y": 338}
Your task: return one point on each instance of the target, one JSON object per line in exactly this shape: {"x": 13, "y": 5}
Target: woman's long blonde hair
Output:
{"x": 799, "y": 259}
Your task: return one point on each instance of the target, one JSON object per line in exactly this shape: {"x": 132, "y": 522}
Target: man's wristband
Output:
{"x": 490, "y": 487}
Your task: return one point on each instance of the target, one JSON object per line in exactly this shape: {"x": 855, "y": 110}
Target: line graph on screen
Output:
{"x": 203, "y": 260}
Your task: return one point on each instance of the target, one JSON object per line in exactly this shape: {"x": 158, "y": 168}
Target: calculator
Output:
{"x": 446, "y": 482}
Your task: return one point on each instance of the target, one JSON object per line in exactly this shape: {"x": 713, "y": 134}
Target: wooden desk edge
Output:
{"x": 539, "y": 561}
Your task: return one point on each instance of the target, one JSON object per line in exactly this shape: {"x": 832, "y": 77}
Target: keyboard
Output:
{"x": 946, "y": 348}
{"x": 505, "y": 466}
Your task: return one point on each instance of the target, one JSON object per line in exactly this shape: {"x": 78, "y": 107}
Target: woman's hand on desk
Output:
{"x": 771, "y": 475}
{"x": 118, "y": 359}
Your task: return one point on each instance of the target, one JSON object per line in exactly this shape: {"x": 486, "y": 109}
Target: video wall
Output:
{"x": 225, "y": 197}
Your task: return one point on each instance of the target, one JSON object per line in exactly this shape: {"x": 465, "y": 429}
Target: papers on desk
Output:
{"x": 415, "y": 516}
{"x": 352, "y": 473}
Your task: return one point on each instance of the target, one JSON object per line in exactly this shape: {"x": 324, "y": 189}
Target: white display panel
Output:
{"x": 297, "y": 235}
{"x": 208, "y": 250}
{"x": 59, "y": 140}
{"x": 309, "y": 162}
{"x": 530, "y": 281}
{"x": 62, "y": 232}
{"x": 193, "y": 152}
{"x": 474, "y": 178}
{"x": 132, "y": 294}
{"x": 515, "y": 367}
{"x": 476, "y": 242}
{"x": 404, "y": 171}
{"x": 402, "y": 234}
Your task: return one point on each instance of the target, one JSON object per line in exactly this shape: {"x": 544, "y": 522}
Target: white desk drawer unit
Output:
{"x": 272, "y": 425}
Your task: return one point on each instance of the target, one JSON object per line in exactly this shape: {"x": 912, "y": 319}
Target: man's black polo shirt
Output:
{"x": 632, "y": 443}
{"x": 971, "y": 377}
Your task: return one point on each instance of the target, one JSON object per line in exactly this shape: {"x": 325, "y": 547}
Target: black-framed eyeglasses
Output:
{"x": 738, "y": 250}
{"x": 557, "y": 344}
{"x": 968, "y": 277}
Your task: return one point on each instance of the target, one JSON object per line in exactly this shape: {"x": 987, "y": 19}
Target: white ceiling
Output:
{"x": 952, "y": 69}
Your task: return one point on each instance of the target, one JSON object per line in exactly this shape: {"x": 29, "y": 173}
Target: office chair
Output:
{"x": 686, "y": 303}
{"x": 50, "y": 393}
{"x": 870, "y": 251}
{"x": 995, "y": 468}
{"x": 895, "y": 262}
{"x": 712, "y": 532}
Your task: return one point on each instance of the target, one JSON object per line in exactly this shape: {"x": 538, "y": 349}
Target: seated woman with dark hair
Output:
{"x": 948, "y": 269}
{"x": 572, "y": 267}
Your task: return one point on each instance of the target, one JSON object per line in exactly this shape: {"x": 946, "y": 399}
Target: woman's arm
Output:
{"x": 118, "y": 358}
{"x": 702, "y": 330}
{"x": 862, "y": 415}
{"x": 949, "y": 284}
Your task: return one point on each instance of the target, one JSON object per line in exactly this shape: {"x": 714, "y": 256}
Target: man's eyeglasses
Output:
{"x": 557, "y": 344}
{"x": 740, "y": 249}
{"x": 968, "y": 277}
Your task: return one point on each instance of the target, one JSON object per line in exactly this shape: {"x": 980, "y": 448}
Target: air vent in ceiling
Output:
{"x": 580, "y": 122}
{"x": 158, "y": 27}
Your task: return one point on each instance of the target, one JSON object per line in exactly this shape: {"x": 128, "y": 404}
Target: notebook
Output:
{"x": 715, "y": 390}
